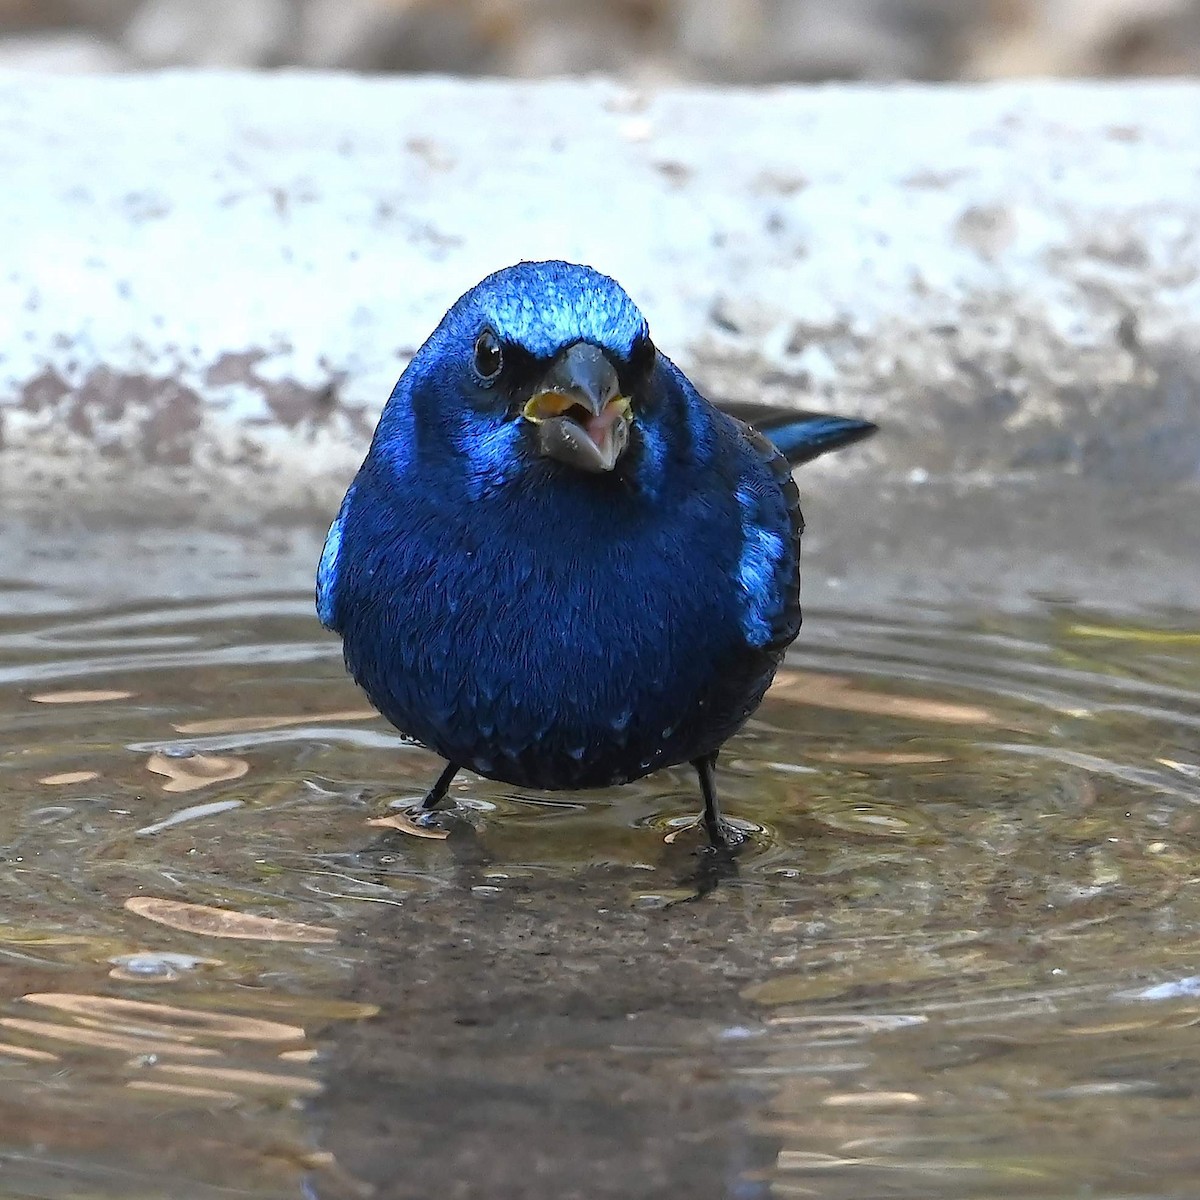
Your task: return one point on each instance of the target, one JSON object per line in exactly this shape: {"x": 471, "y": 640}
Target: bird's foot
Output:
{"x": 725, "y": 835}
{"x": 429, "y": 818}
{"x": 722, "y": 834}
{"x": 416, "y": 821}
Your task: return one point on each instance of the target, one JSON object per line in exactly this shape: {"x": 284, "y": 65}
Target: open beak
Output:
{"x": 581, "y": 417}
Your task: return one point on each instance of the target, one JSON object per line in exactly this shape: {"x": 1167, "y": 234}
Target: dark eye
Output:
{"x": 488, "y": 356}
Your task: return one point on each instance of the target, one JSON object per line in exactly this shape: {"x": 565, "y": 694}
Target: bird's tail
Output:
{"x": 802, "y": 436}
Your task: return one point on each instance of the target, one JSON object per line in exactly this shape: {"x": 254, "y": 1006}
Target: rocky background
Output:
{"x": 742, "y": 41}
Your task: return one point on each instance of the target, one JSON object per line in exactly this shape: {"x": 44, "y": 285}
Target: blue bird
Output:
{"x": 559, "y": 566}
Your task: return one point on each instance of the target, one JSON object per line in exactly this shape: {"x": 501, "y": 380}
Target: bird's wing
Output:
{"x": 800, "y": 436}
{"x": 773, "y": 619}
{"x": 329, "y": 569}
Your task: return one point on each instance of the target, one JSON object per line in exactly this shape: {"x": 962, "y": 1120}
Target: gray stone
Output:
{"x": 364, "y": 35}
{"x": 60, "y": 54}
{"x": 212, "y": 33}
{"x": 820, "y": 39}
{"x": 558, "y": 39}
{"x": 107, "y": 17}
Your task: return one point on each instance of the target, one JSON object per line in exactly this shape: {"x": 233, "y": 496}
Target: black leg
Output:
{"x": 717, "y": 862}
{"x": 437, "y": 793}
{"x": 713, "y": 825}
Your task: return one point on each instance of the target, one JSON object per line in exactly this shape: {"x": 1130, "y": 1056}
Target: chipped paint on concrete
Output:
{"x": 222, "y": 274}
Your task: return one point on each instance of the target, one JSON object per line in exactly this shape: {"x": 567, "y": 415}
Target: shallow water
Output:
{"x": 959, "y": 956}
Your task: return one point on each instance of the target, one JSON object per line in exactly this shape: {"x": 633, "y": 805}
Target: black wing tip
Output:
{"x": 806, "y": 436}
{"x": 850, "y": 429}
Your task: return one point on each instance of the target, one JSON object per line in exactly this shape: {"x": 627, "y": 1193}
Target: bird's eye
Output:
{"x": 488, "y": 356}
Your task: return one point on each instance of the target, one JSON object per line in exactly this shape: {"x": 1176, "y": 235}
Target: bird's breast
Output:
{"x": 556, "y": 647}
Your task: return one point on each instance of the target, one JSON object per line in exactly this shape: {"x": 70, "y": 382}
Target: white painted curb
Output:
{"x": 204, "y": 273}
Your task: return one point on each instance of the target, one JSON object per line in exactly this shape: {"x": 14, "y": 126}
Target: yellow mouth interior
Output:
{"x": 546, "y": 405}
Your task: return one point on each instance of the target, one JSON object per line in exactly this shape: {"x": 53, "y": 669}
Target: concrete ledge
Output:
{"x": 211, "y": 281}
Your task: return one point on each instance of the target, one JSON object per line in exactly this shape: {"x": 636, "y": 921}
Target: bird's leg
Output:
{"x": 437, "y": 793}
{"x": 720, "y": 833}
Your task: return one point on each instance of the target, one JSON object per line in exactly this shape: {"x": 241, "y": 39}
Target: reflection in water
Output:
{"x": 65, "y": 778}
{"x": 186, "y": 773}
{"x": 193, "y": 812}
{"x": 289, "y": 721}
{"x": 222, "y": 923}
{"x": 163, "y": 967}
{"x": 955, "y": 958}
{"x": 833, "y": 691}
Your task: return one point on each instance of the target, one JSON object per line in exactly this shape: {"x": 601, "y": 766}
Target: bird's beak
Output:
{"x": 581, "y": 417}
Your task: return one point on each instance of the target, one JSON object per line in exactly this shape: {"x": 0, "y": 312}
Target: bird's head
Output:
{"x": 542, "y": 361}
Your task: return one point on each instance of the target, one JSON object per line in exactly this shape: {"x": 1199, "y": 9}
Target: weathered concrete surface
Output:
{"x": 211, "y": 281}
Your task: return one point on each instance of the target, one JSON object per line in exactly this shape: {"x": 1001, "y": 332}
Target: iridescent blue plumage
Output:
{"x": 559, "y": 566}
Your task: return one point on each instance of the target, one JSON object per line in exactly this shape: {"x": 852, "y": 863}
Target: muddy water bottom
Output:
{"x": 958, "y": 956}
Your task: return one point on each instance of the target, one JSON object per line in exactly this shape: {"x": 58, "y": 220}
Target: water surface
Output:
{"x": 957, "y": 958}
